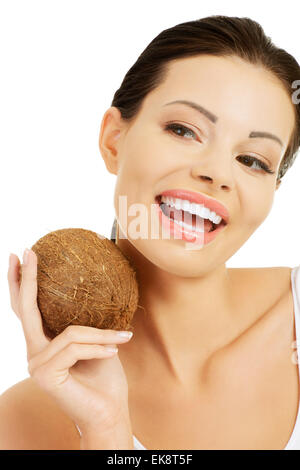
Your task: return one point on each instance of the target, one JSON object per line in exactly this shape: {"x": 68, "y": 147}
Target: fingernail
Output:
{"x": 111, "y": 349}
{"x": 9, "y": 259}
{"x": 25, "y": 256}
{"x": 125, "y": 334}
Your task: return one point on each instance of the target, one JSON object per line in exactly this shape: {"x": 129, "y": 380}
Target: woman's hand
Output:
{"x": 76, "y": 367}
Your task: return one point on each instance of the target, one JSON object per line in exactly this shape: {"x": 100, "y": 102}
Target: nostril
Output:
{"x": 203, "y": 177}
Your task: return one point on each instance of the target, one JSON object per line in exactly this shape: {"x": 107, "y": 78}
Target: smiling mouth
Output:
{"x": 180, "y": 215}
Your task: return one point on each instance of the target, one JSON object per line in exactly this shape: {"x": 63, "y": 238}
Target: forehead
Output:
{"x": 234, "y": 90}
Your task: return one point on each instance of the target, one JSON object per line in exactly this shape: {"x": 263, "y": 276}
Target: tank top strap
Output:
{"x": 294, "y": 441}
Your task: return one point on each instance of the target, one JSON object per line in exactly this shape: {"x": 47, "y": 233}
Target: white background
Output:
{"x": 61, "y": 62}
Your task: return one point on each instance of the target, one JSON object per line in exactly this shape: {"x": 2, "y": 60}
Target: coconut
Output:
{"x": 84, "y": 279}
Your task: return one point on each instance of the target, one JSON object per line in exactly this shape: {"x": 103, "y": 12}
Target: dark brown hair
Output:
{"x": 216, "y": 35}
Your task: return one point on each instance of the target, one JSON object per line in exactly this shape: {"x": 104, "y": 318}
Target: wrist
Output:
{"x": 118, "y": 437}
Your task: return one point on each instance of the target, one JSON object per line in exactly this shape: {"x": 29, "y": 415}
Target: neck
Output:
{"x": 185, "y": 321}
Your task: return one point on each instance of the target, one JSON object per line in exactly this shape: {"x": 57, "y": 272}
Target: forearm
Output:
{"x": 118, "y": 438}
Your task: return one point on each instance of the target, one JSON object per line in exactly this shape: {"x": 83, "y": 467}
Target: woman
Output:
{"x": 207, "y": 116}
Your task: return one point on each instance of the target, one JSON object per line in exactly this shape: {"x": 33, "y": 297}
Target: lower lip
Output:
{"x": 199, "y": 238}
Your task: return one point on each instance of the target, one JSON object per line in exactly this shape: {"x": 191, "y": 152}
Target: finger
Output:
{"x": 75, "y": 334}
{"x": 13, "y": 278}
{"x": 29, "y": 312}
{"x": 56, "y": 371}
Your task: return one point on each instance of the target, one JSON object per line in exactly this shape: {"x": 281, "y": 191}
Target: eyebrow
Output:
{"x": 213, "y": 118}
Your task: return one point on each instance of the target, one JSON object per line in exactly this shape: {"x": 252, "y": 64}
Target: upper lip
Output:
{"x": 199, "y": 198}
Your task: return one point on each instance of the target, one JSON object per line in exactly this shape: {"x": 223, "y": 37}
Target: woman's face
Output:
{"x": 210, "y": 155}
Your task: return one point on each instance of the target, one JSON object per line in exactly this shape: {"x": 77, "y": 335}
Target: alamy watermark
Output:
{"x": 135, "y": 221}
{"x": 296, "y": 94}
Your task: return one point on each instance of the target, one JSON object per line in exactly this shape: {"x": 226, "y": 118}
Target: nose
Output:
{"x": 220, "y": 178}
{"x": 223, "y": 186}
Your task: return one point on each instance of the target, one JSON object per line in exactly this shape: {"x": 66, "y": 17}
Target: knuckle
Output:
{"x": 71, "y": 332}
{"x": 25, "y": 277}
{"x": 109, "y": 332}
{"x": 73, "y": 349}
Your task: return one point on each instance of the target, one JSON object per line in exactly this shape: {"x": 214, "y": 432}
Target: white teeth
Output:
{"x": 189, "y": 227}
{"x": 177, "y": 204}
{"x": 193, "y": 208}
{"x": 206, "y": 212}
{"x": 185, "y": 206}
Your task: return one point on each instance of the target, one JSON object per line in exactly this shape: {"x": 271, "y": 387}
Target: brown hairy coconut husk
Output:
{"x": 84, "y": 279}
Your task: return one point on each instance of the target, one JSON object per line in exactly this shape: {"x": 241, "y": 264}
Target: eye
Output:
{"x": 253, "y": 163}
{"x": 258, "y": 164}
{"x": 179, "y": 129}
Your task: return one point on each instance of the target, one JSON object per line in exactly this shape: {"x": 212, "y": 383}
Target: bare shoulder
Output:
{"x": 265, "y": 298}
{"x": 30, "y": 419}
{"x": 272, "y": 282}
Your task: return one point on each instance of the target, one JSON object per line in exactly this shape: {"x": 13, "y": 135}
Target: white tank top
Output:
{"x": 294, "y": 440}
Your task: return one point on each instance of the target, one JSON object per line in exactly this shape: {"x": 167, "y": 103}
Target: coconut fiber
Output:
{"x": 84, "y": 279}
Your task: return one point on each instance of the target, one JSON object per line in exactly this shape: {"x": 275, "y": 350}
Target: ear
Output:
{"x": 112, "y": 127}
{"x": 278, "y": 183}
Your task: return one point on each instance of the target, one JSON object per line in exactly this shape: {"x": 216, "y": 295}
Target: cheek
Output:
{"x": 139, "y": 168}
{"x": 144, "y": 158}
{"x": 256, "y": 207}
